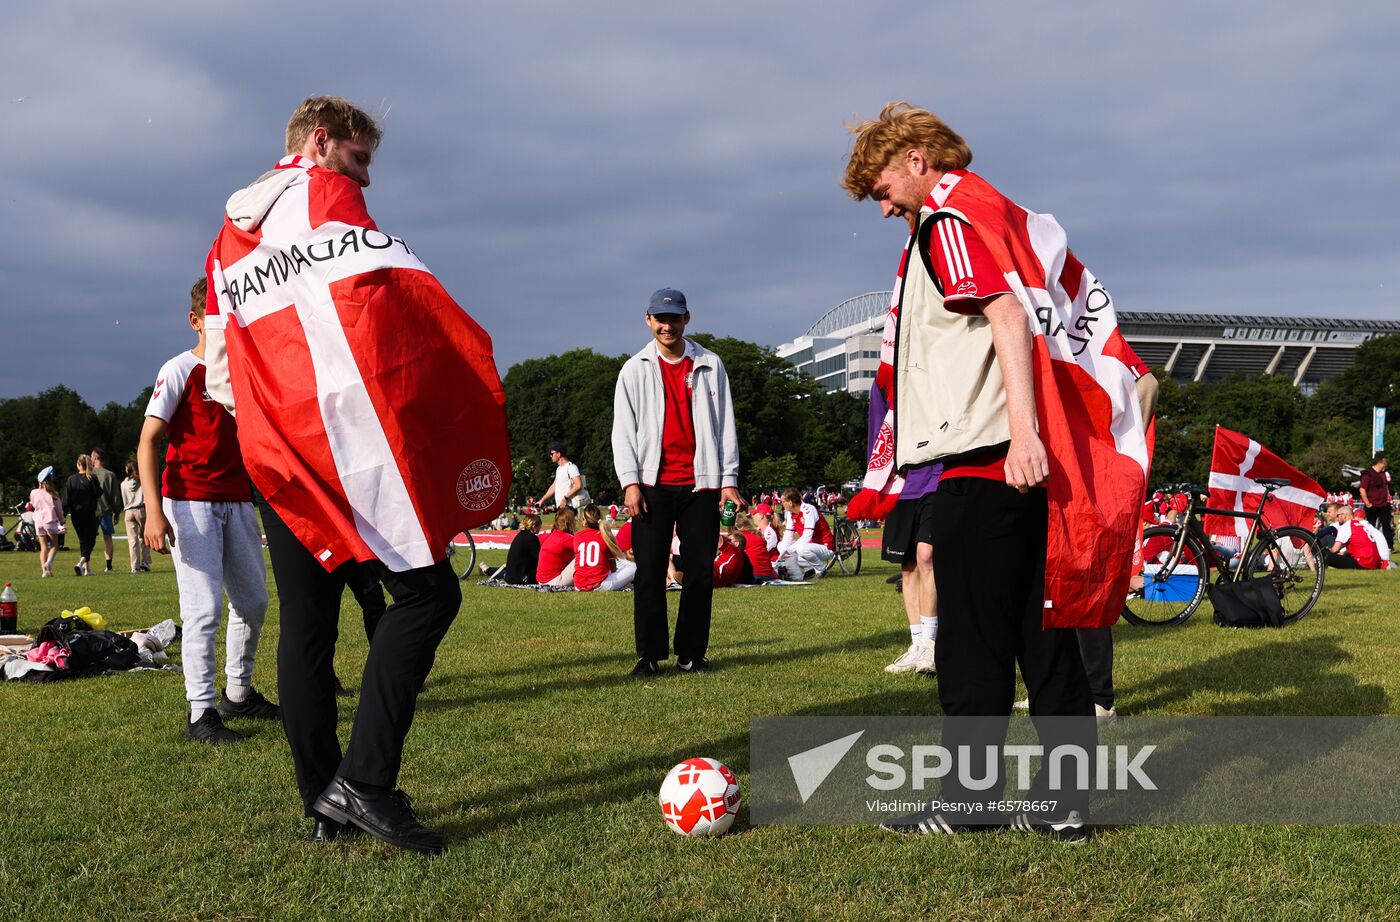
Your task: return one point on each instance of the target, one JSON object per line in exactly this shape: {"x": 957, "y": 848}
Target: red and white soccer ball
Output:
{"x": 700, "y": 797}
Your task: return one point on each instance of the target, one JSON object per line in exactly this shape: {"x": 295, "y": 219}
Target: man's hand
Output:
{"x": 1026, "y": 463}
{"x": 632, "y": 499}
{"x": 158, "y": 530}
{"x": 728, "y": 493}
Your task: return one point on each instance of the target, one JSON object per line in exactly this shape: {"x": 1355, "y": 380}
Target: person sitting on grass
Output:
{"x": 556, "y": 563}
{"x": 522, "y": 560}
{"x": 731, "y": 565}
{"x": 760, "y": 544}
{"x": 807, "y": 545}
{"x": 1358, "y": 545}
{"x": 599, "y": 564}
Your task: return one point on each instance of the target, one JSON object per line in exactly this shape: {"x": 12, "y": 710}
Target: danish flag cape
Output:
{"x": 1235, "y": 462}
{"x": 1086, "y": 402}
{"x": 370, "y": 412}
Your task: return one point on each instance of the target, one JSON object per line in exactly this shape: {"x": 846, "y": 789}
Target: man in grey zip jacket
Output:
{"x": 677, "y": 458}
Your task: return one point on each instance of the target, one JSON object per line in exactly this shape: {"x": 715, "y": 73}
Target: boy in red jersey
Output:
{"x": 203, "y": 507}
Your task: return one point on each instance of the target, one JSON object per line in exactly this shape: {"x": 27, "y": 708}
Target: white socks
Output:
{"x": 928, "y": 628}
{"x": 196, "y": 713}
{"x": 916, "y": 633}
{"x": 237, "y": 693}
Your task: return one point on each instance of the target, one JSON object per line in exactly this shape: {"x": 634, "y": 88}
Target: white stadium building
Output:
{"x": 842, "y": 349}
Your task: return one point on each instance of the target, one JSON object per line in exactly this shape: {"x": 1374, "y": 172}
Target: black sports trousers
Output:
{"x": 401, "y": 653}
{"x": 990, "y": 572}
{"x": 694, "y": 515}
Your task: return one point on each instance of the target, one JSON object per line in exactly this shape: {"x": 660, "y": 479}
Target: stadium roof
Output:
{"x": 873, "y": 304}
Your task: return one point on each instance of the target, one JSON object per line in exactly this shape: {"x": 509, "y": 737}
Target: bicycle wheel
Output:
{"x": 847, "y": 547}
{"x": 1293, "y": 559}
{"x": 462, "y": 557}
{"x": 1173, "y": 583}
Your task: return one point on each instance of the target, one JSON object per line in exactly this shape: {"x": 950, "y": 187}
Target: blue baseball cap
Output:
{"x": 667, "y": 301}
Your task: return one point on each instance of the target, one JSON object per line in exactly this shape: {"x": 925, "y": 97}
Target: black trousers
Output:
{"x": 1096, "y": 649}
{"x": 366, "y": 584}
{"x": 401, "y": 653}
{"x": 1381, "y": 519}
{"x": 85, "y": 524}
{"x": 990, "y": 544}
{"x": 694, "y": 516}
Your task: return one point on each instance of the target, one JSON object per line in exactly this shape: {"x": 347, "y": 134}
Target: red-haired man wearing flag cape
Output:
{"x": 372, "y": 420}
{"x": 1008, "y": 370}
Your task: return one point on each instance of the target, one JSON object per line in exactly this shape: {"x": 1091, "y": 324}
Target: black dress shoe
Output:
{"x": 324, "y": 830}
{"x": 384, "y": 813}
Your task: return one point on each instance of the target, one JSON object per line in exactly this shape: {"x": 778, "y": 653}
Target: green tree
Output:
{"x": 568, "y": 398}
{"x": 770, "y": 472}
{"x": 1372, "y": 380}
{"x": 840, "y": 469}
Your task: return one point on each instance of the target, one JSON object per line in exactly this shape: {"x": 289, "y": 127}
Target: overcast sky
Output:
{"x": 555, "y": 162}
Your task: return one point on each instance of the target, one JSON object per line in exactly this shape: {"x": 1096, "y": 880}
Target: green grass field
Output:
{"x": 539, "y": 759}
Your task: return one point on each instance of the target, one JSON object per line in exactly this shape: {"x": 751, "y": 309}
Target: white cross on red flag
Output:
{"x": 1236, "y": 464}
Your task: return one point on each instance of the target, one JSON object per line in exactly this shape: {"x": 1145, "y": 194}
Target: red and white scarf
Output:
{"x": 882, "y": 484}
{"x": 370, "y": 412}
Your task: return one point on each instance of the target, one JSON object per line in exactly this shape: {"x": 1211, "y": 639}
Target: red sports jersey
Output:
{"x": 203, "y": 461}
{"x": 591, "y": 559}
{"x": 965, "y": 267}
{"x": 729, "y": 566}
{"x": 678, "y": 429}
{"x": 821, "y": 531}
{"x": 760, "y": 557}
{"x": 623, "y": 536}
{"x": 1361, "y": 546}
{"x": 556, "y": 551}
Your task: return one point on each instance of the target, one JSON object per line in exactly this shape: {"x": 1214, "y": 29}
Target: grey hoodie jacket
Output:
{"x": 639, "y": 413}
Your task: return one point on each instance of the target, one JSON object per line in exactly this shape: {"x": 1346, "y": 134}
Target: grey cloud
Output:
{"x": 555, "y": 162}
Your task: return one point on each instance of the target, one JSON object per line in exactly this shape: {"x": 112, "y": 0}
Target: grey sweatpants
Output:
{"x": 217, "y": 550}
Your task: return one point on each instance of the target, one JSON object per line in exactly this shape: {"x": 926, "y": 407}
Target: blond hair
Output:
{"x": 900, "y": 128}
{"x": 199, "y": 296}
{"x": 564, "y": 520}
{"x": 593, "y": 518}
{"x": 343, "y": 121}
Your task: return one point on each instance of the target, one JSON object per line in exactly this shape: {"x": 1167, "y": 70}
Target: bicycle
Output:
{"x": 846, "y": 545}
{"x": 1178, "y": 559}
{"x": 462, "y": 557}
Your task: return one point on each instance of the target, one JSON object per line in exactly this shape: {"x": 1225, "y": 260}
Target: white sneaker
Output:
{"x": 1023, "y": 705}
{"x": 907, "y": 662}
{"x": 925, "y": 663}
{"x": 1105, "y": 715}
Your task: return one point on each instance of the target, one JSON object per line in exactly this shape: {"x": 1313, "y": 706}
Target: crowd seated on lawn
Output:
{"x": 1352, "y": 543}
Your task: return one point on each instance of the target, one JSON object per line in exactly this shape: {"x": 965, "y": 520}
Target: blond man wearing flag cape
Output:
{"x": 1009, "y": 370}
{"x": 372, "y": 420}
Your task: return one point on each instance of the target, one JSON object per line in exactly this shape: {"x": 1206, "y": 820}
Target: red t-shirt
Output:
{"x": 556, "y": 551}
{"x": 591, "y": 559}
{"x": 203, "y": 461}
{"x": 623, "y": 536}
{"x": 678, "y": 431}
{"x": 1363, "y": 549}
{"x": 756, "y": 549}
{"x": 729, "y": 566}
